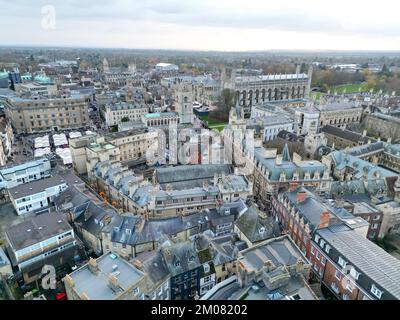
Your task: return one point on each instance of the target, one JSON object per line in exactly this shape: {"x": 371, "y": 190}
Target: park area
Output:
{"x": 214, "y": 124}
{"x": 344, "y": 88}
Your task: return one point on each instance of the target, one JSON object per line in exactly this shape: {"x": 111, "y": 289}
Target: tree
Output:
{"x": 225, "y": 102}
{"x": 385, "y": 70}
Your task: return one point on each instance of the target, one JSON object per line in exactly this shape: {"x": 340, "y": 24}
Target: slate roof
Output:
{"x": 280, "y": 251}
{"x": 375, "y": 264}
{"x": 180, "y": 257}
{"x": 190, "y": 172}
{"x": 254, "y": 227}
{"x": 288, "y": 167}
{"x": 154, "y": 266}
{"x": 345, "y": 134}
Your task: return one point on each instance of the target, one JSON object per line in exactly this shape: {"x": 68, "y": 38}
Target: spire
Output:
{"x": 286, "y": 154}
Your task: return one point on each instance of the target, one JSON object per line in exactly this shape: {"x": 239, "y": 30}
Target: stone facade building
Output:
{"x": 30, "y": 115}
{"x": 251, "y": 90}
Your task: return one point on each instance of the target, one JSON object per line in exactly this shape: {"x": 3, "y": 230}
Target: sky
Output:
{"x": 220, "y": 25}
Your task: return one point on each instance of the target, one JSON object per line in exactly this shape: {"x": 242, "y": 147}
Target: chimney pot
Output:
{"x": 301, "y": 196}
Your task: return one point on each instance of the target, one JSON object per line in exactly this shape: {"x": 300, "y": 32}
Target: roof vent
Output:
{"x": 29, "y": 230}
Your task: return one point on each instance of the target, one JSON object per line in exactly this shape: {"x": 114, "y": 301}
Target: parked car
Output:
{"x": 61, "y": 296}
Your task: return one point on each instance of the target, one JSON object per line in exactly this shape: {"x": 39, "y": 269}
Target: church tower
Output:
{"x": 236, "y": 117}
{"x": 184, "y": 102}
{"x": 106, "y": 66}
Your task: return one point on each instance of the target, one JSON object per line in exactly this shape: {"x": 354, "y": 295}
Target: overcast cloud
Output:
{"x": 205, "y": 24}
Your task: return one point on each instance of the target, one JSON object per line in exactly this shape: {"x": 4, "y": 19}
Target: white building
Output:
{"x": 36, "y": 195}
{"x": 23, "y": 173}
{"x": 166, "y": 67}
{"x": 307, "y": 120}
{"x": 36, "y": 241}
{"x": 160, "y": 119}
{"x": 271, "y": 125}
{"x": 114, "y": 113}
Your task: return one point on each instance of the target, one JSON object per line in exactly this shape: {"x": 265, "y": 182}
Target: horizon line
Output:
{"x": 18, "y": 46}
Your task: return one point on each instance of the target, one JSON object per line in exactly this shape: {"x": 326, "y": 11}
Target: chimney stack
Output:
{"x": 113, "y": 282}
{"x": 324, "y": 220}
{"x": 93, "y": 267}
{"x": 137, "y": 264}
{"x": 68, "y": 279}
{"x": 301, "y": 196}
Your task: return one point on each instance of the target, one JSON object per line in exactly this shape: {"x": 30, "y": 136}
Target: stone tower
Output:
{"x": 184, "y": 102}
{"x": 236, "y": 117}
{"x": 106, "y": 66}
{"x": 397, "y": 190}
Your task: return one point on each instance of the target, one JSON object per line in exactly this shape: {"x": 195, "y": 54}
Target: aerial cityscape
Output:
{"x": 166, "y": 167}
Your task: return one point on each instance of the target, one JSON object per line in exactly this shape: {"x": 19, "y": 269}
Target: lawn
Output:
{"x": 214, "y": 124}
{"x": 349, "y": 88}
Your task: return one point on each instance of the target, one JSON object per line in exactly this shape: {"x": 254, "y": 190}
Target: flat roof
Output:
{"x": 36, "y": 229}
{"x": 96, "y": 287}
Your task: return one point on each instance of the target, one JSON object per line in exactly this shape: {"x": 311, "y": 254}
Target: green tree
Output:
{"x": 225, "y": 102}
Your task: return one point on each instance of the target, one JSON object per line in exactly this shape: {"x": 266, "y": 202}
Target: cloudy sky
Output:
{"x": 227, "y": 25}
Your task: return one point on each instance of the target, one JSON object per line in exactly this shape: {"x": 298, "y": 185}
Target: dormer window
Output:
{"x": 327, "y": 248}
{"x": 191, "y": 259}
{"x": 376, "y": 292}
{"x": 342, "y": 262}
{"x": 354, "y": 273}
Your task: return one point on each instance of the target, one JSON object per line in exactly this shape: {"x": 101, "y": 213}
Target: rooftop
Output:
{"x": 36, "y": 229}
{"x": 41, "y": 185}
{"x": 96, "y": 285}
{"x": 372, "y": 261}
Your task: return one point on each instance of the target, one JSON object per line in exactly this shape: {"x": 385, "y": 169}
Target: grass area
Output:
{"x": 348, "y": 88}
{"x": 214, "y": 124}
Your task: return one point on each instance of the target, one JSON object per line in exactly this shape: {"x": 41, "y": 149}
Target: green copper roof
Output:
{"x": 42, "y": 79}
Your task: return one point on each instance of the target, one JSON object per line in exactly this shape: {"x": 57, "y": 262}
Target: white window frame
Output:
{"x": 327, "y": 248}
{"x": 376, "y": 292}
{"x": 337, "y": 272}
{"x": 342, "y": 262}
{"x": 354, "y": 273}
